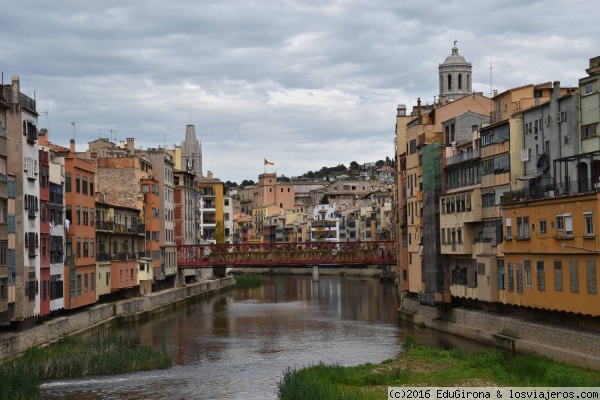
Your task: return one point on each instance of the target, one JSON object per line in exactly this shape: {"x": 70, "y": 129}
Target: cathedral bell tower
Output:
{"x": 455, "y": 76}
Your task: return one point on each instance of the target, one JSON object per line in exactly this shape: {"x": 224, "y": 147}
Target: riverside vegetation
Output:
{"x": 247, "y": 281}
{"x": 72, "y": 357}
{"x": 425, "y": 366}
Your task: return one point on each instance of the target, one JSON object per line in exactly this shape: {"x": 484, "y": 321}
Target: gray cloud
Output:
{"x": 303, "y": 83}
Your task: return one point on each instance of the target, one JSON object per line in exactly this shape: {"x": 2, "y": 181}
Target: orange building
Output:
{"x": 551, "y": 253}
{"x": 80, "y": 264}
{"x": 151, "y": 222}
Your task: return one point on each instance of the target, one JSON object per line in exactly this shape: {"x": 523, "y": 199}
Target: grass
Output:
{"x": 425, "y": 366}
{"x": 247, "y": 281}
{"x": 73, "y": 357}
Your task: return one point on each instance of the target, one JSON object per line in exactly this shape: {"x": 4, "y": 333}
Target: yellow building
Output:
{"x": 551, "y": 253}
{"x": 210, "y": 207}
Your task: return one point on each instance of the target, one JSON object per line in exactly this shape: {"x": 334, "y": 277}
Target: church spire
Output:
{"x": 191, "y": 151}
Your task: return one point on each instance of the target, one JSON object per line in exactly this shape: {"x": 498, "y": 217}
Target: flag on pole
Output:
{"x": 267, "y": 162}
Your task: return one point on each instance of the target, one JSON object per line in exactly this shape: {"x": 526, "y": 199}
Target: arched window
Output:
{"x": 459, "y": 81}
{"x": 449, "y": 81}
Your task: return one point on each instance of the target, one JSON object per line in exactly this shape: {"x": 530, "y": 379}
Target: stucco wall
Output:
{"x": 16, "y": 343}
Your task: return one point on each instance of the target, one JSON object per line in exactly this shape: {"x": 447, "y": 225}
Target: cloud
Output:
{"x": 305, "y": 83}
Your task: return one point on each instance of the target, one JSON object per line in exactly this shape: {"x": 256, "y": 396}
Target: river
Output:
{"x": 236, "y": 345}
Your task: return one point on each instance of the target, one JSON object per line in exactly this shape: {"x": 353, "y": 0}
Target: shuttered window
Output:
{"x": 590, "y": 276}
{"x": 540, "y": 275}
{"x": 573, "y": 276}
{"x": 558, "y": 276}
{"x": 519, "y": 278}
{"x": 511, "y": 277}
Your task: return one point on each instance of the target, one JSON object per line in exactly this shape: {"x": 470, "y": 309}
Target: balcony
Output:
{"x": 462, "y": 157}
{"x": 119, "y": 228}
{"x": 581, "y": 186}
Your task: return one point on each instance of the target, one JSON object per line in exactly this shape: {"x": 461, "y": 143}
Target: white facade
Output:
{"x": 57, "y": 229}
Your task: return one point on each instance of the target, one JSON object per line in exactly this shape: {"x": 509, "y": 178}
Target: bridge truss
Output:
{"x": 287, "y": 254}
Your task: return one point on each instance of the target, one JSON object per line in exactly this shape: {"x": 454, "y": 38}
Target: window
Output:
{"x": 85, "y": 216}
{"x": 77, "y": 184}
{"x": 508, "y": 228}
{"x": 590, "y": 276}
{"x": 78, "y": 283}
{"x": 413, "y": 146}
{"x": 85, "y": 283}
{"x": 589, "y": 223}
{"x": 543, "y": 226}
{"x": 500, "y": 265}
{"x": 587, "y": 88}
{"x": 527, "y": 265}
{"x": 588, "y": 131}
{"x": 573, "y": 276}
{"x": 488, "y": 200}
{"x": 511, "y": 279}
{"x": 84, "y": 189}
{"x": 558, "y": 276}
{"x": 519, "y": 278}
{"x": 560, "y": 223}
{"x": 568, "y": 225}
{"x": 540, "y": 275}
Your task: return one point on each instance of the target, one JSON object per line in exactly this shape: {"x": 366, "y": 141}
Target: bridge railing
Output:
{"x": 287, "y": 254}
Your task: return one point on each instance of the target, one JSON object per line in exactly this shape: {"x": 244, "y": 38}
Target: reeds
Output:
{"x": 72, "y": 357}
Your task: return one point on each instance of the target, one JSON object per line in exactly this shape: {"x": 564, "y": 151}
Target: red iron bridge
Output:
{"x": 340, "y": 254}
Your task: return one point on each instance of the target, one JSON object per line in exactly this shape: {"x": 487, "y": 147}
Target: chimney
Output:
{"x": 72, "y": 145}
{"x": 556, "y": 90}
{"x": 209, "y": 174}
{"x": 401, "y": 110}
{"x": 419, "y": 109}
{"x": 16, "y": 88}
{"x": 495, "y": 92}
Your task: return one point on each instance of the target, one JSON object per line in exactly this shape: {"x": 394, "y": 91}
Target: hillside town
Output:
{"x": 491, "y": 200}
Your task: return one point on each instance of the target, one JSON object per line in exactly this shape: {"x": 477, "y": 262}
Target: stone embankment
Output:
{"x": 102, "y": 316}
{"x": 572, "y": 346}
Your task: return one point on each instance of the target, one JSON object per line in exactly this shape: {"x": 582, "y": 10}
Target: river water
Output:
{"x": 236, "y": 345}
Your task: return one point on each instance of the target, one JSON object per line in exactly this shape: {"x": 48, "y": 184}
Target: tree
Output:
{"x": 324, "y": 200}
{"x": 354, "y": 166}
{"x": 380, "y": 163}
{"x": 220, "y": 232}
{"x": 246, "y": 182}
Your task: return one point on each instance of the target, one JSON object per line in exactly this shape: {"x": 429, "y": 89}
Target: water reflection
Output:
{"x": 237, "y": 344}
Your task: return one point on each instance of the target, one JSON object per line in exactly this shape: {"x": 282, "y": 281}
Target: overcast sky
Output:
{"x": 304, "y": 83}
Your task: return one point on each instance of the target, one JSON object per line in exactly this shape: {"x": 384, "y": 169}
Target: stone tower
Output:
{"x": 455, "y": 76}
{"x": 191, "y": 152}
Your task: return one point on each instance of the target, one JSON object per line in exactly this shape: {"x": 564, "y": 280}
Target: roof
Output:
{"x": 455, "y": 58}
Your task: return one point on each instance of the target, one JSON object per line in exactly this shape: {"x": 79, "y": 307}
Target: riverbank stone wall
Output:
{"x": 12, "y": 344}
{"x": 561, "y": 343}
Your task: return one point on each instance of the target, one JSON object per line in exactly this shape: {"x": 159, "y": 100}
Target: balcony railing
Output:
{"x": 120, "y": 228}
{"x": 466, "y": 156}
{"x": 568, "y": 188}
